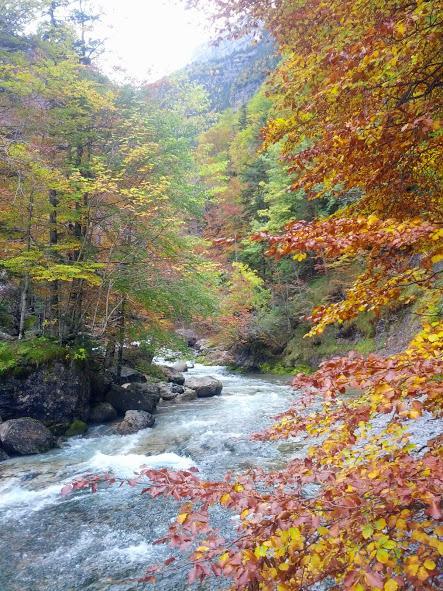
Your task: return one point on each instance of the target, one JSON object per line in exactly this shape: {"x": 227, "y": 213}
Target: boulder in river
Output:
{"x": 103, "y": 412}
{"x": 77, "y": 427}
{"x": 205, "y": 387}
{"x": 172, "y": 375}
{"x": 128, "y": 375}
{"x": 134, "y": 397}
{"x": 3, "y": 455}
{"x": 134, "y": 421}
{"x": 177, "y": 389}
{"x": 167, "y": 392}
{"x": 25, "y": 436}
{"x": 187, "y": 395}
{"x": 57, "y": 393}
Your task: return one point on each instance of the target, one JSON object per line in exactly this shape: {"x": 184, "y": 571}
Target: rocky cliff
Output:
{"x": 233, "y": 75}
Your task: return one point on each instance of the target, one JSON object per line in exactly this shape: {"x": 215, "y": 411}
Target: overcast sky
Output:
{"x": 149, "y": 38}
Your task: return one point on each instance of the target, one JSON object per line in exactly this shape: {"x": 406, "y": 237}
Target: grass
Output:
{"x": 17, "y": 356}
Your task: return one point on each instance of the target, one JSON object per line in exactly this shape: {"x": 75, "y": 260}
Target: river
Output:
{"x": 96, "y": 542}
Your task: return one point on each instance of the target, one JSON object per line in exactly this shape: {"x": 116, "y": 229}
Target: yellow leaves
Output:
{"x": 429, "y": 564}
{"x": 367, "y": 531}
{"x": 224, "y": 558}
{"x": 260, "y": 551}
{"x": 390, "y": 585}
{"x": 300, "y": 257}
{"x": 239, "y": 487}
{"x": 295, "y": 534}
{"x": 372, "y": 219}
{"x": 314, "y": 561}
{"x": 244, "y": 513}
{"x": 437, "y": 258}
{"x": 284, "y": 566}
{"x": 400, "y": 28}
{"x": 382, "y": 555}
{"x": 182, "y": 517}
{"x": 202, "y": 548}
{"x": 224, "y": 499}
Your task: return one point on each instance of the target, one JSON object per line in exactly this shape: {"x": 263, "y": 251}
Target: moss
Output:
{"x": 365, "y": 346}
{"x": 15, "y": 357}
{"x": 77, "y": 427}
{"x": 149, "y": 369}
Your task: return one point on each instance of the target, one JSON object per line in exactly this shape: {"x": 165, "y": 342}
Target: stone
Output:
{"x": 167, "y": 392}
{"x": 103, "y": 412}
{"x": 177, "y": 389}
{"x": 187, "y": 396}
{"x": 188, "y": 335}
{"x": 128, "y": 375}
{"x": 205, "y": 387}
{"x": 77, "y": 427}
{"x": 3, "y": 455}
{"x": 57, "y": 393}
{"x": 100, "y": 385}
{"x": 134, "y": 397}
{"x": 172, "y": 375}
{"x": 134, "y": 421}
{"x": 25, "y": 436}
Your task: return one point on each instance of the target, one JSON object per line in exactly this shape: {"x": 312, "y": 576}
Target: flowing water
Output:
{"x": 97, "y": 542}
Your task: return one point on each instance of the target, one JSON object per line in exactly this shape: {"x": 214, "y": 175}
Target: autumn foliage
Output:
{"x": 360, "y": 85}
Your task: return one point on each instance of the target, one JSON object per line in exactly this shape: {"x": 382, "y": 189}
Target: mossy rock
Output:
{"x": 77, "y": 427}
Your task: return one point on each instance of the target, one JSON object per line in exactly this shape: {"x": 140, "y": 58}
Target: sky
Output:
{"x": 148, "y": 38}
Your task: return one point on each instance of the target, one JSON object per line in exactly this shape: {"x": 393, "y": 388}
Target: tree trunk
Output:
{"x": 54, "y": 304}
{"x": 121, "y": 337}
{"x": 25, "y": 286}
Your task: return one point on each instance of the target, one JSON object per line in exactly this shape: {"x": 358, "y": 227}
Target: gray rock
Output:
{"x": 188, "y": 335}
{"x": 25, "y": 436}
{"x": 134, "y": 397}
{"x": 100, "y": 385}
{"x": 134, "y": 421}
{"x": 172, "y": 375}
{"x": 128, "y": 375}
{"x": 4, "y": 336}
{"x": 3, "y": 455}
{"x": 54, "y": 394}
{"x": 103, "y": 412}
{"x": 167, "y": 392}
{"x": 205, "y": 387}
{"x": 177, "y": 389}
{"x": 187, "y": 396}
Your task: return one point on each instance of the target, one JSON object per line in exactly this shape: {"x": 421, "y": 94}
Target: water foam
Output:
{"x": 125, "y": 465}
{"x": 15, "y": 497}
